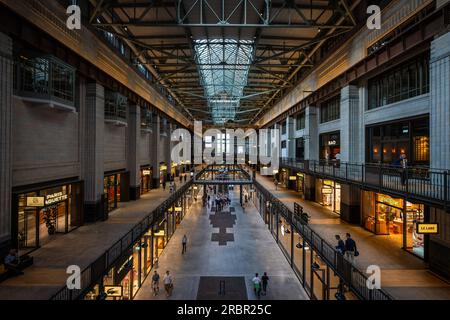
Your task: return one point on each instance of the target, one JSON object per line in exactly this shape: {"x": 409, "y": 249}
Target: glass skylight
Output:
{"x": 224, "y": 65}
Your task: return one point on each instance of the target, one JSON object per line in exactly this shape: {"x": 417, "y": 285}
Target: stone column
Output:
{"x": 154, "y": 149}
{"x": 134, "y": 129}
{"x": 168, "y": 148}
{"x": 311, "y": 134}
{"x": 350, "y": 203}
{"x": 290, "y": 137}
{"x": 6, "y": 87}
{"x": 350, "y": 120}
{"x": 440, "y": 101}
{"x": 93, "y": 152}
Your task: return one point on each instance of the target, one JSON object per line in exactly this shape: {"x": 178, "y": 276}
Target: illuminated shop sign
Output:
{"x": 428, "y": 228}
{"x": 292, "y": 177}
{"x": 35, "y": 201}
{"x": 146, "y": 172}
{"x": 55, "y": 197}
{"x": 332, "y": 142}
{"x": 114, "y": 291}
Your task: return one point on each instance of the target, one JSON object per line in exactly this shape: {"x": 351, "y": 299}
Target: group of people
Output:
{"x": 347, "y": 247}
{"x": 167, "y": 280}
{"x": 222, "y": 201}
{"x": 260, "y": 284}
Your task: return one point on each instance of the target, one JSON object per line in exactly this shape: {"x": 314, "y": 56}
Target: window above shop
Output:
{"x": 146, "y": 120}
{"x": 300, "y": 121}
{"x": 45, "y": 80}
{"x": 331, "y": 109}
{"x": 115, "y": 108}
{"x": 408, "y": 80}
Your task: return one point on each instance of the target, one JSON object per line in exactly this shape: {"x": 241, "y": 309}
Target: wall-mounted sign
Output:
{"x": 35, "y": 201}
{"x": 177, "y": 209}
{"x": 114, "y": 291}
{"x": 327, "y": 191}
{"x": 55, "y": 197}
{"x": 429, "y": 228}
{"x": 146, "y": 172}
{"x": 292, "y": 177}
{"x": 332, "y": 142}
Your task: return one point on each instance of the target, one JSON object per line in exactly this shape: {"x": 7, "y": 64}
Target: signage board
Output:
{"x": 35, "y": 201}
{"x": 114, "y": 291}
{"x": 327, "y": 191}
{"x": 55, "y": 197}
{"x": 146, "y": 172}
{"x": 427, "y": 228}
{"x": 292, "y": 177}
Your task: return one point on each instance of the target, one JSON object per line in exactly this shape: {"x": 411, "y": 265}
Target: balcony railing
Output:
{"x": 416, "y": 182}
{"x": 355, "y": 279}
{"x": 96, "y": 270}
{"x": 45, "y": 79}
{"x": 116, "y": 108}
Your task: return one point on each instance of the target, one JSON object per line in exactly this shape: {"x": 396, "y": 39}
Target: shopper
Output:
{"x": 257, "y": 285}
{"x": 341, "y": 245}
{"x": 350, "y": 249}
{"x": 404, "y": 165}
{"x": 168, "y": 283}
{"x": 155, "y": 283}
{"x": 184, "y": 243}
{"x": 12, "y": 263}
{"x": 264, "y": 280}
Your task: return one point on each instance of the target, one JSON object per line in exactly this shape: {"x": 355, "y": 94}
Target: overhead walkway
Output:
{"x": 197, "y": 274}
{"x": 403, "y": 276}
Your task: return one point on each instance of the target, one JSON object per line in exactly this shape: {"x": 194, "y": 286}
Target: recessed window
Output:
{"x": 331, "y": 109}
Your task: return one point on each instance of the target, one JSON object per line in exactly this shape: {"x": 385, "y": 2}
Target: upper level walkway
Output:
{"x": 81, "y": 247}
{"x": 249, "y": 248}
{"x": 404, "y": 276}
{"x": 418, "y": 183}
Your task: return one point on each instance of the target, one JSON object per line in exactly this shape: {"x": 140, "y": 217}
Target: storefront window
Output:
{"x": 330, "y": 145}
{"x": 43, "y": 214}
{"x": 329, "y": 193}
{"x": 387, "y": 142}
{"x": 385, "y": 215}
{"x": 146, "y": 180}
{"x": 284, "y": 235}
{"x": 298, "y": 253}
{"x": 414, "y": 241}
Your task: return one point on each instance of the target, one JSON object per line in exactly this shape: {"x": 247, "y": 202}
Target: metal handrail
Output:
{"x": 94, "y": 271}
{"x": 354, "y": 278}
{"x": 414, "y": 181}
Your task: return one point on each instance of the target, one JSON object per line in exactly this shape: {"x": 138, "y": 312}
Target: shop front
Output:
{"x": 146, "y": 179}
{"x": 284, "y": 177}
{"x": 39, "y": 214}
{"x": 115, "y": 185}
{"x": 387, "y": 141}
{"x": 330, "y": 145}
{"x": 162, "y": 172}
{"x": 396, "y": 217}
{"x": 299, "y": 183}
{"x": 328, "y": 194}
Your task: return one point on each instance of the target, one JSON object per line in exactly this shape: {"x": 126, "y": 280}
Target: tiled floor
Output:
{"x": 253, "y": 250}
{"x": 404, "y": 276}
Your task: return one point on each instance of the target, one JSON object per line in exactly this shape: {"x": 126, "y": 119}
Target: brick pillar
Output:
{"x": 311, "y": 133}
{"x": 93, "y": 148}
{"x": 6, "y": 87}
{"x": 350, "y": 120}
{"x": 134, "y": 132}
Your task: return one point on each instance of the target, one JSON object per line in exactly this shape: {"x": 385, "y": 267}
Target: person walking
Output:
{"x": 164, "y": 184}
{"x": 404, "y": 165}
{"x": 184, "y": 243}
{"x": 257, "y": 285}
{"x": 341, "y": 245}
{"x": 155, "y": 283}
{"x": 350, "y": 249}
{"x": 168, "y": 283}
{"x": 265, "y": 281}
